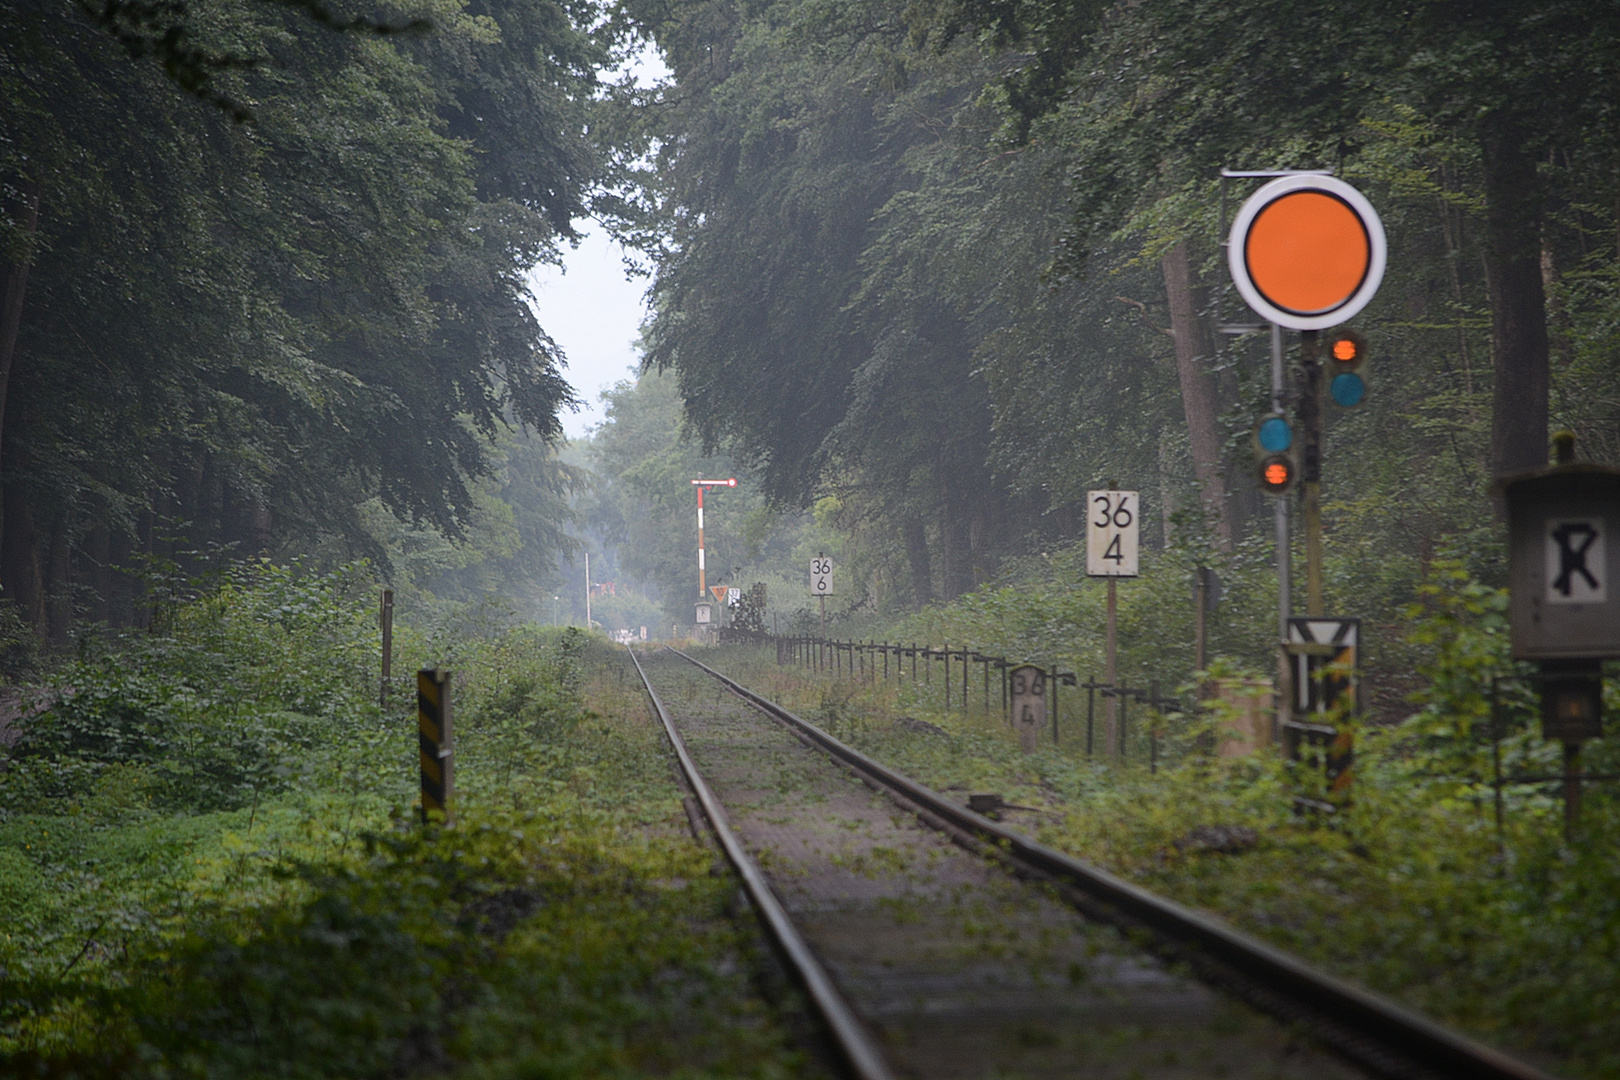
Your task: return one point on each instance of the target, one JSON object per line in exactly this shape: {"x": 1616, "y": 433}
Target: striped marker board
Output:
{"x": 433, "y": 737}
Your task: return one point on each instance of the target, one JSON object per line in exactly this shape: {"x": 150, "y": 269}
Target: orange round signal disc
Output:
{"x": 1344, "y": 350}
{"x": 1276, "y": 474}
{"x": 1307, "y": 251}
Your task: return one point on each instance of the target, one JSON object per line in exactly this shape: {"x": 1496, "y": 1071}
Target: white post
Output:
{"x": 703, "y": 584}
{"x": 587, "y": 590}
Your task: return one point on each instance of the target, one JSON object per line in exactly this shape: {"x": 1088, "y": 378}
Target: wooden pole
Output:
{"x": 385, "y": 620}
{"x": 1572, "y": 788}
{"x": 1111, "y": 672}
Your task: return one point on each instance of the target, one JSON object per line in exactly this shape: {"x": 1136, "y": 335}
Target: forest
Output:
{"x": 919, "y": 275}
{"x": 937, "y": 270}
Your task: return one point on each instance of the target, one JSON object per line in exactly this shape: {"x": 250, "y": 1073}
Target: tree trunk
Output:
{"x": 980, "y": 569}
{"x": 99, "y": 554}
{"x": 922, "y": 570}
{"x": 19, "y": 550}
{"x": 1197, "y": 390}
{"x": 1560, "y": 335}
{"x": 1513, "y": 212}
{"x": 1167, "y": 494}
{"x": 955, "y": 549}
{"x": 59, "y": 606}
{"x": 121, "y": 591}
{"x": 11, "y": 309}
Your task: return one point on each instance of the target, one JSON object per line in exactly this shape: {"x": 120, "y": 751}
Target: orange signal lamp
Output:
{"x": 1276, "y": 474}
{"x": 1347, "y": 349}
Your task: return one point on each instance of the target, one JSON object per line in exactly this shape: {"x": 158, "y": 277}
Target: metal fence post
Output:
{"x": 1153, "y": 726}
{"x": 1124, "y": 702}
{"x": 1054, "y": 705}
{"x": 1091, "y": 708}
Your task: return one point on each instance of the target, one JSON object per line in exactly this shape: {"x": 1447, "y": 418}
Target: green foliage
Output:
{"x": 642, "y": 508}
{"x": 296, "y": 323}
{"x": 566, "y": 926}
{"x": 939, "y": 230}
{"x": 252, "y": 677}
{"x": 1045, "y": 610}
{"x": 518, "y": 942}
{"x": 1464, "y": 626}
{"x": 19, "y": 645}
{"x": 1410, "y": 888}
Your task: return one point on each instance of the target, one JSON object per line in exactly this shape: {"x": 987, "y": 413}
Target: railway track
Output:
{"x": 935, "y": 942}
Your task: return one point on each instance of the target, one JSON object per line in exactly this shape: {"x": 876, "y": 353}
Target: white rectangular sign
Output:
{"x": 1112, "y": 526}
{"x": 821, "y": 576}
{"x": 1576, "y": 561}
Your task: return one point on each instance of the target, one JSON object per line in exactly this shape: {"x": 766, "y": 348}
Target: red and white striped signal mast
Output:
{"x": 730, "y": 482}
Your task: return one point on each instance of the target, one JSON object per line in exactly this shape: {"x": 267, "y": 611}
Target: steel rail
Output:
{"x": 855, "y": 1042}
{"x": 1416, "y": 1040}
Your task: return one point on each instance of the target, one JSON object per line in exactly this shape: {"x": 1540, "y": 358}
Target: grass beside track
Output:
{"x": 568, "y": 925}
{"x": 1405, "y": 892}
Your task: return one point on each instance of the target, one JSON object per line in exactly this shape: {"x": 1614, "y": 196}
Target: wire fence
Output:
{"x": 966, "y": 677}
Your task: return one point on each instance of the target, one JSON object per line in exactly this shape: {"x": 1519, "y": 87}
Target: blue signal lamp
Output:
{"x": 1347, "y": 389}
{"x": 1274, "y": 435}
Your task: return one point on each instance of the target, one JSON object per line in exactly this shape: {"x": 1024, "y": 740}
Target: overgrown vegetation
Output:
{"x": 925, "y": 273}
{"x": 1410, "y": 888}
{"x": 209, "y": 864}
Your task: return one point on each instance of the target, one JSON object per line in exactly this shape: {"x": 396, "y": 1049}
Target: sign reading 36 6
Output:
{"x": 821, "y": 569}
{"x": 1112, "y": 528}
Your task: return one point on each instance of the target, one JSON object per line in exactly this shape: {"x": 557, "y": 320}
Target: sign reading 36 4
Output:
{"x": 1112, "y": 528}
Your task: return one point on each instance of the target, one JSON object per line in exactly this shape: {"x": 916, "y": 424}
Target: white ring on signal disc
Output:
{"x": 1377, "y": 251}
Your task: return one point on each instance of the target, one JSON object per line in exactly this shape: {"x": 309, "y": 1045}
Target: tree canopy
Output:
{"x": 240, "y": 332}
{"x": 956, "y": 263}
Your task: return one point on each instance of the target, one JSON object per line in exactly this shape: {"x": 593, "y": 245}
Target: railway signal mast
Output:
{"x": 703, "y": 608}
{"x": 1307, "y": 253}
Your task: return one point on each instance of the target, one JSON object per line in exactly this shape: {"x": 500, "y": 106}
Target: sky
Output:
{"x": 591, "y": 310}
{"x": 588, "y": 306}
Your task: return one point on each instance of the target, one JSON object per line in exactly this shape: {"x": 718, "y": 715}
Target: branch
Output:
{"x": 1142, "y": 309}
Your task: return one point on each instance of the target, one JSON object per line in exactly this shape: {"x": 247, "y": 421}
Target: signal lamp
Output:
{"x": 1276, "y": 474}
{"x": 1347, "y": 389}
{"x": 1274, "y": 435}
{"x": 1571, "y": 704}
{"x": 1347, "y": 349}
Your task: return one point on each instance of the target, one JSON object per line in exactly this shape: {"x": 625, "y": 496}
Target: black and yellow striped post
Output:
{"x": 433, "y": 735}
